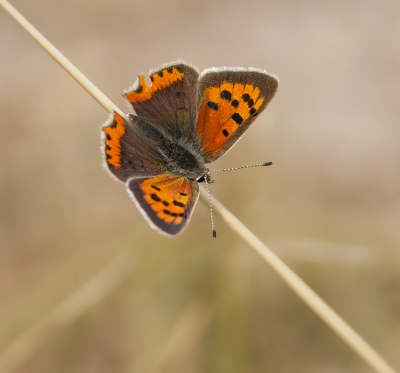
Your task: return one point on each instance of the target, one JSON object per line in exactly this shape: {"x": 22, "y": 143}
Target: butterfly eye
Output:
{"x": 201, "y": 179}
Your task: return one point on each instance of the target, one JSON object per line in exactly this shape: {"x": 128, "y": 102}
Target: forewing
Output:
{"x": 128, "y": 149}
{"x": 229, "y": 99}
{"x": 169, "y": 102}
{"x": 165, "y": 201}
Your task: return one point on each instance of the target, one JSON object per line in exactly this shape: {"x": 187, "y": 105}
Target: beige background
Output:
{"x": 329, "y": 206}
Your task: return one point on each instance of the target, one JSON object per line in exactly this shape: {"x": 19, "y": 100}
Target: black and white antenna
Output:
{"x": 214, "y": 232}
{"x": 207, "y": 179}
{"x": 241, "y": 167}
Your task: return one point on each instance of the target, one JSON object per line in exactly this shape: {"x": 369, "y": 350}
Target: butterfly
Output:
{"x": 184, "y": 120}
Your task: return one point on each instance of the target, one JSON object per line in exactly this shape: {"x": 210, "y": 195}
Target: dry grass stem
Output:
{"x": 104, "y": 282}
{"x": 60, "y": 58}
{"x": 326, "y": 313}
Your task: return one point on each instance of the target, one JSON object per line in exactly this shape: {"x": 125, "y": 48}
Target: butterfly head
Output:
{"x": 205, "y": 178}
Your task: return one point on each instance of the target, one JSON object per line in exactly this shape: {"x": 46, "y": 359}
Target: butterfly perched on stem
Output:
{"x": 184, "y": 120}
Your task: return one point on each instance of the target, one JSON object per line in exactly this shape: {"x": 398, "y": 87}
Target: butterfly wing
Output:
{"x": 132, "y": 155}
{"x": 165, "y": 201}
{"x": 129, "y": 150}
{"x": 229, "y": 99}
{"x": 169, "y": 102}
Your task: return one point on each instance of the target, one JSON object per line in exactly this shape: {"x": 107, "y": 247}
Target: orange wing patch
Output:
{"x": 160, "y": 79}
{"x": 167, "y": 197}
{"x": 114, "y": 132}
{"x": 223, "y": 109}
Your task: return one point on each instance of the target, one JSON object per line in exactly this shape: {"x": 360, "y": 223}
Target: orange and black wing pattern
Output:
{"x": 228, "y": 102}
{"x": 183, "y": 120}
{"x": 128, "y": 150}
{"x": 169, "y": 102}
{"x": 165, "y": 201}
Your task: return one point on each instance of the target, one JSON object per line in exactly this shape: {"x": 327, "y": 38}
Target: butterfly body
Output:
{"x": 183, "y": 121}
{"x": 179, "y": 158}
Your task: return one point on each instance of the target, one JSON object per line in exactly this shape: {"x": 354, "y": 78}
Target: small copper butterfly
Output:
{"x": 184, "y": 120}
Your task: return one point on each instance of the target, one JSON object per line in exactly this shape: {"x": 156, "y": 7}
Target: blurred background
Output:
{"x": 329, "y": 206}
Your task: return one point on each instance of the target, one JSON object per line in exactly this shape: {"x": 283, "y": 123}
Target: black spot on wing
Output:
{"x": 155, "y": 197}
{"x": 246, "y": 97}
{"x": 177, "y": 203}
{"x": 235, "y": 103}
{"x": 226, "y": 95}
{"x": 212, "y": 105}
{"x": 237, "y": 118}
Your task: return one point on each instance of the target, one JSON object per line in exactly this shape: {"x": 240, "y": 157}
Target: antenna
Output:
{"x": 239, "y": 168}
{"x": 207, "y": 179}
{"x": 214, "y": 232}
